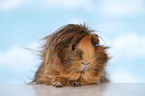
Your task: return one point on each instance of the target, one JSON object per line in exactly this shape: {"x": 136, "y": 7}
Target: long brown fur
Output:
{"x": 65, "y": 54}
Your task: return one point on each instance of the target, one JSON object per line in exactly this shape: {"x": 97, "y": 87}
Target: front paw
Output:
{"x": 58, "y": 85}
{"x": 75, "y": 84}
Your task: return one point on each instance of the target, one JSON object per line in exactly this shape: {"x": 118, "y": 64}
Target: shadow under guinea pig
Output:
{"x": 89, "y": 90}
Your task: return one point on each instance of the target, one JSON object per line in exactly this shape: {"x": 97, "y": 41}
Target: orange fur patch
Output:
{"x": 88, "y": 49}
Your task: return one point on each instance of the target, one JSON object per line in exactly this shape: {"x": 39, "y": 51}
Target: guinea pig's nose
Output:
{"x": 85, "y": 63}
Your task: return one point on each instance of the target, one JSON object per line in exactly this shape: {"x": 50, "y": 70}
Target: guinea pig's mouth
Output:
{"x": 84, "y": 67}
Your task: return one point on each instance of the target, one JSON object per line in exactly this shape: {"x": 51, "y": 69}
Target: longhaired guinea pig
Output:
{"x": 72, "y": 56}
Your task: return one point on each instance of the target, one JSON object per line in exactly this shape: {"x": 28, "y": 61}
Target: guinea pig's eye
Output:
{"x": 73, "y": 47}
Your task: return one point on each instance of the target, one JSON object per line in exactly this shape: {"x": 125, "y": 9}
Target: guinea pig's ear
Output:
{"x": 95, "y": 39}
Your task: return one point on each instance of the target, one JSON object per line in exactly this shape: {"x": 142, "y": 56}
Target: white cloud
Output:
{"x": 125, "y": 48}
{"x": 68, "y": 4}
{"x": 19, "y": 63}
{"x": 75, "y": 21}
{"x": 10, "y": 4}
{"x": 18, "y": 57}
{"x": 129, "y": 45}
{"x": 122, "y": 76}
{"x": 48, "y": 4}
{"x": 122, "y": 7}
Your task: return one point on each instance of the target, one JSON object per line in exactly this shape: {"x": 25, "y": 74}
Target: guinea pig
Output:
{"x": 72, "y": 56}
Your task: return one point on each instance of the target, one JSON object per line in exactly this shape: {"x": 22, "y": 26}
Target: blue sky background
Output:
{"x": 121, "y": 23}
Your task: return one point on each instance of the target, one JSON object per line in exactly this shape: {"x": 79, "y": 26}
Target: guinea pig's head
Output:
{"x": 78, "y": 50}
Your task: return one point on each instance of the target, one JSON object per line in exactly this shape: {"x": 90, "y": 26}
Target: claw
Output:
{"x": 58, "y": 85}
{"x": 75, "y": 84}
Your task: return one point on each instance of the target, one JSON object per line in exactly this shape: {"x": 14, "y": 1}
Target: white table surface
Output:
{"x": 106, "y": 89}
